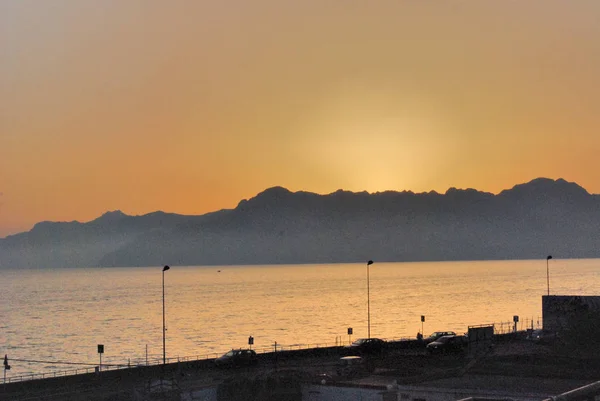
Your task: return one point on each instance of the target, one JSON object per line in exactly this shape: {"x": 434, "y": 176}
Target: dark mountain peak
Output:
{"x": 454, "y": 190}
{"x": 344, "y": 194}
{"x": 111, "y": 216}
{"x": 155, "y": 213}
{"x": 266, "y": 197}
{"x": 274, "y": 191}
{"x": 390, "y": 192}
{"x": 114, "y": 214}
{"x": 546, "y": 187}
{"x": 48, "y": 225}
{"x": 466, "y": 194}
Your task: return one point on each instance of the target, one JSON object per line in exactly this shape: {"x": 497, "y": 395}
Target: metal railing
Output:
{"x": 499, "y": 328}
{"x": 139, "y": 362}
{"x": 522, "y": 325}
{"x": 61, "y": 373}
{"x": 587, "y": 392}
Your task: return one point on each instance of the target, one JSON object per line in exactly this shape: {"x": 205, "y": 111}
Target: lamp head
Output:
{"x": 370, "y": 262}
{"x": 166, "y": 268}
{"x": 549, "y": 257}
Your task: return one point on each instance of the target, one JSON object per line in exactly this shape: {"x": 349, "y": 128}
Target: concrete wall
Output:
{"x": 566, "y": 312}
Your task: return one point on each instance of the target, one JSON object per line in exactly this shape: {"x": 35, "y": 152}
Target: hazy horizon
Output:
{"x": 189, "y": 107}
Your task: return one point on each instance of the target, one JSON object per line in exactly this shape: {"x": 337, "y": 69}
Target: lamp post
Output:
{"x": 163, "y": 302}
{"x": 369, "y": 263}
{"x": 548, "y": 273}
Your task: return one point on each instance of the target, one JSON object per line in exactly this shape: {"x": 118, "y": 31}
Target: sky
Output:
{"x": 189, "y": 106}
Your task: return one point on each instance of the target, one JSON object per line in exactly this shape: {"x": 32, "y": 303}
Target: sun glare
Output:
{"x": 372, "y": 146}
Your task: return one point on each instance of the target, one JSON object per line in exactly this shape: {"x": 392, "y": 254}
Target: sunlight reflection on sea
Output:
{"x": 62, "y": 314}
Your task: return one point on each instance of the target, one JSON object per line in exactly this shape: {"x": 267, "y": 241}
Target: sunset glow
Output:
{"x": 189, "y": 107}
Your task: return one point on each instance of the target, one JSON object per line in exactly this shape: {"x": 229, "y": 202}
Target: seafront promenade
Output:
{"x": 500, "y": 328}
{"x": 404, "y": 362}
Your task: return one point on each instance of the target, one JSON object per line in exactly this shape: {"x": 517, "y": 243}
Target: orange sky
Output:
{"x": 189, "y": 106}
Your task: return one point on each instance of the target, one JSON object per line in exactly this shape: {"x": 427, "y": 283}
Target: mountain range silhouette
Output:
{"x": 277, "y": 226}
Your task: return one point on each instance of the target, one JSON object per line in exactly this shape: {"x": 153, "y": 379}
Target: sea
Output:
{"x": 52, "y": 320}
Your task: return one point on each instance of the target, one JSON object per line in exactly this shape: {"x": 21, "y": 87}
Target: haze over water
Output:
{"x": 62, "y": 314}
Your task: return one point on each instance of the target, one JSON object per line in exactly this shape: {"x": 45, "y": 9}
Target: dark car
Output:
{"x": 366, "y": 346}
{"x": 542, "y": 336}
{"x": 351, "y": 366}
{"x": 447, "y": 344}
{"x": 237, "y": 357}
{"x": 437, "y": 334}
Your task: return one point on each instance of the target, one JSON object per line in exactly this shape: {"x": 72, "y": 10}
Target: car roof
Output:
{"x": 346, "y": 358}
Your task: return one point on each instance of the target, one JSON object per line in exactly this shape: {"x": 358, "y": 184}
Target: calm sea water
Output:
{"x": 62, "y": 314}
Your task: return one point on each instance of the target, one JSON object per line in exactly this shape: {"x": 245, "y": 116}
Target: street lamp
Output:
{"x": 369, "y": 263}
{"x": 548, "y": 273}
{"x": 163, "y": 299}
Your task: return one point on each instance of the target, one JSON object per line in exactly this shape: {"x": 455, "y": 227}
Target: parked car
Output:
{"x": 542, "y": 336}
{"x": 366, "y": 346}
{"x": 351, "y": 366}
{"x": 447, "y": 344}
{"x": 437, "y": 334}
{"x": 237, "y": 357}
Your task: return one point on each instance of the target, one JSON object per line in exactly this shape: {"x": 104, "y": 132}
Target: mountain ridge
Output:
{"x": 281, "y": 226}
